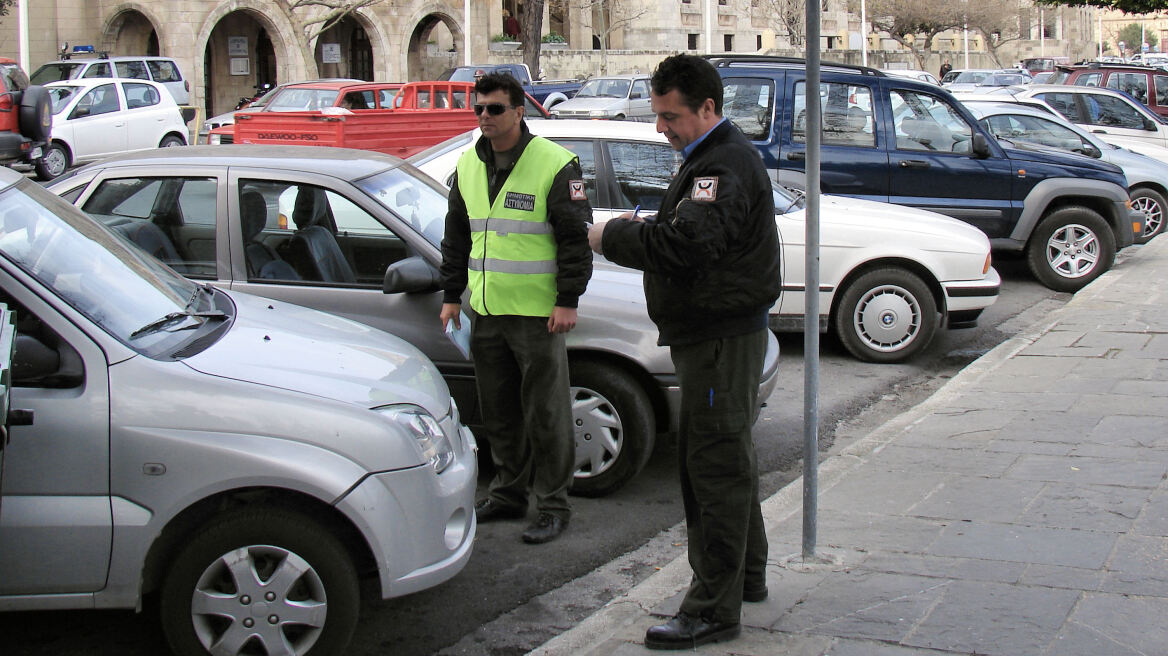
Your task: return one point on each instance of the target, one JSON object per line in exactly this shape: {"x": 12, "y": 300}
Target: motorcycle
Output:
{"x": 261, "y": 89}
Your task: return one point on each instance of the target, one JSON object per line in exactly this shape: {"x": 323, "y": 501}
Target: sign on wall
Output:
{"x": 237, "y": 46}
{"x": 330, "y": 53}
{"x": 240, "y": 66}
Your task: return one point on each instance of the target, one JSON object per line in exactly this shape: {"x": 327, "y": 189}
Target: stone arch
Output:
{"x": 117, "y": 20}
{"x": 373, "y": 33}
{"x": 294, "y": 60}
{"x": 418, "y": 64}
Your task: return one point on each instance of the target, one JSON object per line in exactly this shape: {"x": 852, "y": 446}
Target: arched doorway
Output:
{"x": 344, "y": 50}
{"x": 131, "y": 33}
{"x": 432, "y": 48}
{"x": 239, "y": 57}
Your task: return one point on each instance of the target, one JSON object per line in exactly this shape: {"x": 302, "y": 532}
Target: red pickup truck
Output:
{"x": 368, "y": 116}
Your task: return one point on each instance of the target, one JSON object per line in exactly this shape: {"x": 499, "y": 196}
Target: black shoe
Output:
{"x": 488, "y": 510}
{"x": 754, "y": 594}
{"x": 686, "y": 632}
{"x": 545, "y": 528}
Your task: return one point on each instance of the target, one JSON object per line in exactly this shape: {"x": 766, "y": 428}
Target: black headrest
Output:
{"x": 310, "y": 207}
{"x": 253, "y": 213}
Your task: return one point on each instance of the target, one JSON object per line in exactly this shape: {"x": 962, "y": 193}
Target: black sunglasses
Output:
{"x": 494, "y": 109}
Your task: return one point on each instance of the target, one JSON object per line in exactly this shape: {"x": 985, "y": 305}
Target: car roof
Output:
{"x": 343, "y": 163}
{"x": 338, "y": 84}
{"x": 95, "y": 81}
{"x": 623, "y": 76}
{"x": 86, "y": 60}
{"x": 987, "y": 107}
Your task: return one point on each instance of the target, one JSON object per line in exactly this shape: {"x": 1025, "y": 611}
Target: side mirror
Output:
{"x": 1149, "y": 124}
{"x": 981, "y": 146}
{"x": 1091, "y": 151}
{"x": 413, "y": 275}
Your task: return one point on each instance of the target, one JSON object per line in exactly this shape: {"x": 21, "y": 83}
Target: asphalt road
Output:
{"x": 487, "y": 609}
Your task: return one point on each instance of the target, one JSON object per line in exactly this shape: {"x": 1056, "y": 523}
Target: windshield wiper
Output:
{"x": 187, "y": 313}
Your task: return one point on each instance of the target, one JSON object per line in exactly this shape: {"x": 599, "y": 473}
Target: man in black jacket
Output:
{"x": 517, "y": 237}
{"x": 711, "y": 263}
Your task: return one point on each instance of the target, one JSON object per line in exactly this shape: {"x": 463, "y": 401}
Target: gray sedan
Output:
{"x": 356, "y": 233}
{"x": 1147, "y": 177}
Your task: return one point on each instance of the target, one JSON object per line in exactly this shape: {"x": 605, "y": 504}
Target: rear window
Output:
{"x": 14, "y": 77}
{"x": 164, "y": 71}
{"x": 132, "y": 69}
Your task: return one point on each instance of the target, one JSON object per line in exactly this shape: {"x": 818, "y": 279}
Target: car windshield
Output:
{"x": 604, "y": 88}
{"x": 96, "y": 271}
{"x": 55, "y": 72}
{"x": 60, "y": 96}
{"x": 970, "y": 77}
{"x": 411, "y": 195}
{"x": 299, "y": 100}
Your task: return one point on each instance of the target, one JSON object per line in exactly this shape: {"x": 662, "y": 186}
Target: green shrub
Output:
{"x": 552, "y": 37}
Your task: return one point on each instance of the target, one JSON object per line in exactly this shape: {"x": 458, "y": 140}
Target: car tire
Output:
{"x": 170, "y": 141}
{"x": 1153, "y": 205}
{"x": 614, "y": 428}
{"x": 886, "y": 315}
{"x": 53, "y": 162}
{"x": 1071, "y": 246}
{"x": 36, "y": 114}
{"x": 204, "y": 598}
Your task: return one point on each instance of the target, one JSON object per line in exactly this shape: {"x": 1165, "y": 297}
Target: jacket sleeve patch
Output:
{"x": 576, "y": 190}
{"x": 704, "y": 189}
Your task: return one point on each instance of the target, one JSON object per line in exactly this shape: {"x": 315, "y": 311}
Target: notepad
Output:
{"x": 460, "y": 337}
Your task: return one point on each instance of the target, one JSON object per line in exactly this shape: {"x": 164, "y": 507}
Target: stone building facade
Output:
{"x": 226, "y": 47}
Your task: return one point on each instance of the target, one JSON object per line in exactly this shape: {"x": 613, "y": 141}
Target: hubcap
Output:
{"x": 259, "y": 599}
{"x": 598, "y": 431}
{"x": 888, "y": 318}
{"x": 55, "y": 161}
{"x": 1154, "y": 214}
{"x": 1073, "y": 251}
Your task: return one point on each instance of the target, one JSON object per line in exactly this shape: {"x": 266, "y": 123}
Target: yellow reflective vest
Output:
{"x": 512, "y": 267}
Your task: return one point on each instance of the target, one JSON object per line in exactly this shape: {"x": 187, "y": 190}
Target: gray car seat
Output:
{"x": 313, "y": 249}
{"x": 262, "y": 260}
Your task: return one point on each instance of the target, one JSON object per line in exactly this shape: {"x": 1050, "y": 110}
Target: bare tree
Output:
{"x": 922, "y": 20}
{"x": 791, "y": 17}
{"x": 532, "y": 26}
{"x": 4, "y": 5}
{"x": 611, "y": 16}
{"x": 329, "y": 12}
{"x": 998, "y": 23}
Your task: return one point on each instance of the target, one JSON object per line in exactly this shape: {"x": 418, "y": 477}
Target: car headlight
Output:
{"x": 598, "y": 113}
{"x": 426, "y": 431}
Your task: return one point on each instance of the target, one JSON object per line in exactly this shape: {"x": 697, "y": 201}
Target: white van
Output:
{"x": 162, "y": 70}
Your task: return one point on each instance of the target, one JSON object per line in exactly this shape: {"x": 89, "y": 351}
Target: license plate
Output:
{"x": 35, "y": 153}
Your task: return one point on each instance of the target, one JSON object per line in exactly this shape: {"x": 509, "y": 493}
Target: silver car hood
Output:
{"x": 588, "y": 104}
{"x": 326, "y": 356}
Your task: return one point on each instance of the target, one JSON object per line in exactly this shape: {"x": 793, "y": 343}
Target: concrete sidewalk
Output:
{"x": 1022, "y": 509}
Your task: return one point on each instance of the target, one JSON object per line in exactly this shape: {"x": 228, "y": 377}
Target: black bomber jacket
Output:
{"x": 711, "y": 256}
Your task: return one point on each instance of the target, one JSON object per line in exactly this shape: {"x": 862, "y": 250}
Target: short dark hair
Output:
{"x": 694, "y": 78}
{"x": 492, "y": 82}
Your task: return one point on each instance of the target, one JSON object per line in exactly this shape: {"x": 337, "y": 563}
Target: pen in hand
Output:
{"x": 636, "y": 210}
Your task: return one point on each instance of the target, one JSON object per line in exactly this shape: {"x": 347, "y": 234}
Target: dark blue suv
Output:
{"x": 894, "y": 139}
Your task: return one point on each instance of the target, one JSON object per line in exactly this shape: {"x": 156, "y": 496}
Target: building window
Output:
{"x": 728, "y": 42}
{"x": 693, "y": 42}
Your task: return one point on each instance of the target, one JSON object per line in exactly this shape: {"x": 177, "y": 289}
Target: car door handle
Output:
{"x": 913, "y": 164}
{"x": 796, "y": 155}
{"x": 1099, "y": 131}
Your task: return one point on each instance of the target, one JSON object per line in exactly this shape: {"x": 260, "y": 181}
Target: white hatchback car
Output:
{"x": 97, "y": 117}
{"x": 889, "y": 275}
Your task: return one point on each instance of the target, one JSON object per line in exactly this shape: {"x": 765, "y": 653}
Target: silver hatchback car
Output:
{"x": 357, "y": 233}
{"x": 247, "y": 460}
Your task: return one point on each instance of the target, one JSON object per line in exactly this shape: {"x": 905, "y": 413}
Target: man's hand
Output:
{"x": 449, "y": 312}
{"x": 595, "y": 236}
{"x": 562, "y": 320}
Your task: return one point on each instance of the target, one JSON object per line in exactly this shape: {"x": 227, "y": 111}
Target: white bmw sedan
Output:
{"x": 889, "y": 275}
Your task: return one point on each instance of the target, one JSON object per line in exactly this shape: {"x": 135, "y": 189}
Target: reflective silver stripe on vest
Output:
{"x": 511, "y": 266}
{"x": 511, "y": 226}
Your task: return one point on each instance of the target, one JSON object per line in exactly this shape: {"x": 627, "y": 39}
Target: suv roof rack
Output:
{"x": 724, "y": 60}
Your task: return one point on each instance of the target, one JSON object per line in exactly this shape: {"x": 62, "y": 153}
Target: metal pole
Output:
{"x": 811, "y": 296}
{"x": 1099, "y": 30}
{"x": 22, "y": 13}
{"x": 709, "y": 27}
{"x": 466, "y": 33}
{"x": 863, "y": 32}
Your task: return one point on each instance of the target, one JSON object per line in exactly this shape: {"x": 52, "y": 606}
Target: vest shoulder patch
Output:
{"x": 576, "y": 190}
{"x": 517, "y": 201}
{"x": 705, "y": 189}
